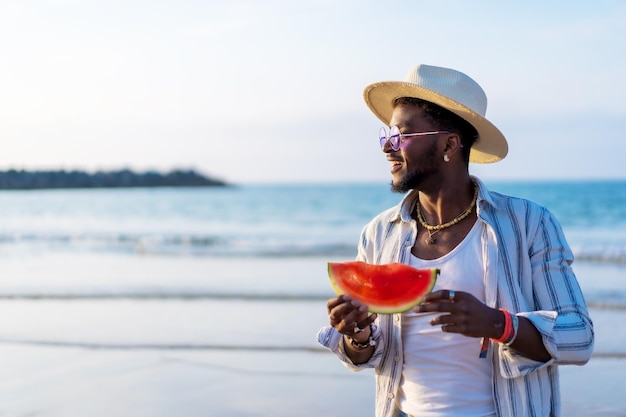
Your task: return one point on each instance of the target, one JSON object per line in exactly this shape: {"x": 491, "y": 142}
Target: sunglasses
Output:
{"x": 395, "y": 137}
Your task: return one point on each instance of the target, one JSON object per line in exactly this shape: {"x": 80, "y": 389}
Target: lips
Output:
{"x": 396, "y": 164}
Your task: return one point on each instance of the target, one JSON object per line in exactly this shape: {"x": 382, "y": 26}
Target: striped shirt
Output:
{"x": 527, "y": 270}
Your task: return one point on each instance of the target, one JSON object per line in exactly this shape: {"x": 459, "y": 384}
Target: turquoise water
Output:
{"x": 270, "y": 220}
{"x": 273, "y": 232}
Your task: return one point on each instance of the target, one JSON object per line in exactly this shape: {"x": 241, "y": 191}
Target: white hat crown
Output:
{"x": 452, "y": 84}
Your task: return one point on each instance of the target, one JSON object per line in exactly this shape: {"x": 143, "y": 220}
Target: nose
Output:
{"x": 386, "y": 146}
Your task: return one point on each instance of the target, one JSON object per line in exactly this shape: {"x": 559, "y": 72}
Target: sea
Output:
{"x": 252, "y": 224}
{"x": 240, "y": 268}
{"x": 269, "y": 220}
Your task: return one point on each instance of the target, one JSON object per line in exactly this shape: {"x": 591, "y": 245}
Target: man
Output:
{"x": 507, "y": 308}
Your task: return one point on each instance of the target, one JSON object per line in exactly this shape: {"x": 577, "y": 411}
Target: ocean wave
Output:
{"x": 610, "y": 255}
{"x": 158, "y": 346}
{"x": 607, "y": 305}
{"x": 183, "y": 244}
{"x": 225, "y": 245}
{"x": 599, "y": 301}
{"x": 202, "y": 347}
{"x": 163, "y": 295}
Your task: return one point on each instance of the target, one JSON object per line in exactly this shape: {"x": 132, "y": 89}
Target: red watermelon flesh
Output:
{"x": 388, "y": 288}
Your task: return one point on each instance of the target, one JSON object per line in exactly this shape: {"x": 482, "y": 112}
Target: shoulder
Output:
{"x": 516, "y": 203}
{"x": 400, "y": 213}
{"x": 383, "y": 220}
{"x": 511, "y": 216}
{"x": 494, "y": 205}
{"x": 520, "y": 208}
{"x": 390, "y": 223}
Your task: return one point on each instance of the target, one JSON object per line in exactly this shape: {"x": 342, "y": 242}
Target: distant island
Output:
{"x": 35, "y": 180}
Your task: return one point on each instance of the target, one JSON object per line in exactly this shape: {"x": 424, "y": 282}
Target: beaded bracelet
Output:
{"x": 363, "y": 345}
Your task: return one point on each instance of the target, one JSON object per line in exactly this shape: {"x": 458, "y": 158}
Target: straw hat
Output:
{"x": 451, "y": 90}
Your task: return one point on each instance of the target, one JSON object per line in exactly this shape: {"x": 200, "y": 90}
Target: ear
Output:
{"x": 453, "y": 143}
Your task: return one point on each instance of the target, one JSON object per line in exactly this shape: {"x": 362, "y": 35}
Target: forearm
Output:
{"x": 517, "y": 332}
{"x": 529, "y": 342}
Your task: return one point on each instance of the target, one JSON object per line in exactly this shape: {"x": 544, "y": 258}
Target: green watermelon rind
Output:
{"x": 386, "y": 308}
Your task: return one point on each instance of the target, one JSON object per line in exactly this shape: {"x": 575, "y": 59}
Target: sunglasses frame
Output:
{"x": 395, "y": 137}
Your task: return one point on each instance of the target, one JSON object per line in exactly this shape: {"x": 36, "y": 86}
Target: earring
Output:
{"x": 446, "y": 158}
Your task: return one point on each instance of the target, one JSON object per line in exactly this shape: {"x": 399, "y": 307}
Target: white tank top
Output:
{"x": 442, "y": 373}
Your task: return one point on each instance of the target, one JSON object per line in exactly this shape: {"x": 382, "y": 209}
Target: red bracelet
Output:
{"x": 515, "y": 326}
{"x": 508, "y": 332}
{"x": 511, "y": 324}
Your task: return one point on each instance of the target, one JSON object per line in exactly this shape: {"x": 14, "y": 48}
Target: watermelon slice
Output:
{"x": 388, "y": 288}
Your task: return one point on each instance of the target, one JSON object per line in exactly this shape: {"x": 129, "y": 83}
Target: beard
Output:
{"x": 417, "y": 171}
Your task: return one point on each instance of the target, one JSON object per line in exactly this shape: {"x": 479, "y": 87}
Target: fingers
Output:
{"x": 463, "y": 313}
{"x": 347, "y": 315}
{"x": 451, "y": 322}
{"x": 363, "y": 324}
{"x": 334, "y": 302}
{"x": 440, "y": 301}
{"x": 450, "y": 296}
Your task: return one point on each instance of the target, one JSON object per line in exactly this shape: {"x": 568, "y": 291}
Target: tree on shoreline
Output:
{"x": 33, "y": 180}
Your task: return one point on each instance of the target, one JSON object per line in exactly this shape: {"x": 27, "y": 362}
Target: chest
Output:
{"x": 429, "y": 245}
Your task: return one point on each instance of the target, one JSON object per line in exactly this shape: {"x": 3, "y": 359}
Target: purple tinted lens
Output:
{"x": 394, "y": 141}
{"x": 382, "y": 137}
{"x": 394, "y": 138}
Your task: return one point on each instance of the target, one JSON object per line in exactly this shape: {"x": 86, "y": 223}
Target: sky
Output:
{"x": 271, "y": 91}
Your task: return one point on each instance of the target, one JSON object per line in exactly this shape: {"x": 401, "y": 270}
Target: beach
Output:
{"x": 162, "y": 344}
{"x": 55, "y": 382}
{"x": 207, "y": 302}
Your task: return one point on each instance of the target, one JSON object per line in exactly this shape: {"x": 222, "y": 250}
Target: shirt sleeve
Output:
{"x": 332, "y": 340}
{"x": 559, "y": 310}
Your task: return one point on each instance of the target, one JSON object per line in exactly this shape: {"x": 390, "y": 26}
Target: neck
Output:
{"x": 446, "y": 201}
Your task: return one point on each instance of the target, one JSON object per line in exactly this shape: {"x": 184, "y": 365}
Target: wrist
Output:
{"x": 509, "y": 331}
{"x": 362, "y": 336}
{"x": 500, "y": 326}
{"x": 362, "y": 342}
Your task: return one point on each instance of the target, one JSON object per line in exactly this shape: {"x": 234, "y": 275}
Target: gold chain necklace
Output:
{"x": 433, "y": 230}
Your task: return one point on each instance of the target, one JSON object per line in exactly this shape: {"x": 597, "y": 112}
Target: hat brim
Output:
{"x": 491, "y": 145}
